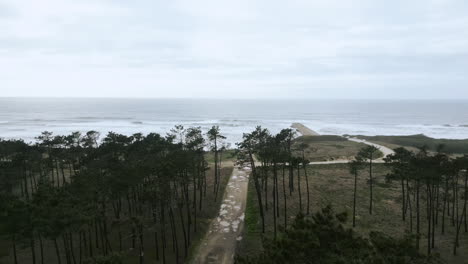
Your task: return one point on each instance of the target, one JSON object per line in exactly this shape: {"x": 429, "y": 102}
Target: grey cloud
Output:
{"x": 171, "y": 48}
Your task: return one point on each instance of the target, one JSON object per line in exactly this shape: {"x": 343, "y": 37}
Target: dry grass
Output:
{"x": 325, "y": 148}
{"x": 333, "y": 185}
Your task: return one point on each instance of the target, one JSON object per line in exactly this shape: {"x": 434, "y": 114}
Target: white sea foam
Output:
{"x": 27, "y": 118}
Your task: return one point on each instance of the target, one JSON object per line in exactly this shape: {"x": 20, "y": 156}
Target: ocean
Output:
{"x": 26, "y": 118}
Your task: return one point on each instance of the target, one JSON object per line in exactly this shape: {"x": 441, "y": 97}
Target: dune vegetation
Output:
{"x": 414, "y": 198}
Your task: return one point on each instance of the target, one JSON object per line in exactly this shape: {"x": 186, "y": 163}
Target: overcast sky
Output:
{"x": 236, "y": 48}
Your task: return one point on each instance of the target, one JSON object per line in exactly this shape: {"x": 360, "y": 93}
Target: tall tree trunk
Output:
{"x": 33, "y": 250}
{"x": 403, "y": 199}
{"x": 418, "y": 234}
{"x": 90, "y": 240}
{"x": 291, "y": 178}
{"x": 15, "y": 251}
{"x": 275, "y": 175}
{"x": 299, "y": 187}
{"x": 57, "y": 251}
{"x": 437, "y": 205}
{"x": 444, "y": 206}
{"x": 72, "y": 251}
{"x": 465, "y": 195}
{"x": 265, "y": 175}
{"x": 156, "y": 245}
{"x": 277, "y": 194}
{"x": 189, "y": 218}
{"x": 66, "y": 248}
{"x": 370, "y": 185}
{"x": 354, "y": 199}
{"x": 459, "y": 222}
{"x": 216, "y": 168}
{"x": 174, "y": 233}
{"x": 200, "y": 189}
{"x": 181, "y": 215}
{"x": 258, "y": 190}
{"x": 64, "y": 180}
{"x": 429, "y": 217}
{"x": 80, "y": 246}
{"x": 410, "y": 207}
{"x": 285, "y": 198}
{"x": 41, "y": 248}
{"x": 96, "y": 233}
{"x": 307, "y": 187}
{"x": 163, "y": 233}
{"x": 142, "y": 246}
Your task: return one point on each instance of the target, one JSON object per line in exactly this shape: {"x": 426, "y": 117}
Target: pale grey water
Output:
{"x": 27, "y": 117}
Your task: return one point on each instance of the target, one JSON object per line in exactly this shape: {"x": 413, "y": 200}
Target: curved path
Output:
{"x": 219, "y": 244}
{"x": 385, "y": 150}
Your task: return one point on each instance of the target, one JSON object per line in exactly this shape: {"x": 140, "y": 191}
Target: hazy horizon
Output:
{"x": 238, "y": 98}
{"x": 26, "y": 118}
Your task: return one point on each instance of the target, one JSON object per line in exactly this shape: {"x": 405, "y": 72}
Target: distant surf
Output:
{"x": 27, "y": 117}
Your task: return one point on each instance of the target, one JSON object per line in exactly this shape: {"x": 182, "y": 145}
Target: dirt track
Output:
{"x": 219, "y": 244}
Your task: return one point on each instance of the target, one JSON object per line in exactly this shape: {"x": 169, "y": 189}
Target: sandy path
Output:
{"x": 219, "y": 244}
{"x": 386, "y": 151}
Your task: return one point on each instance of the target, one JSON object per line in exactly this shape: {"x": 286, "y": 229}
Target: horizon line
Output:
{"x": 233, "y": 98}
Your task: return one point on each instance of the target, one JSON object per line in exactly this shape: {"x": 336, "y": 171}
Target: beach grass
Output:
{"x": 329, "y": 147}
{"x": 413, "y": 142}
{"x": 227, "y": 156}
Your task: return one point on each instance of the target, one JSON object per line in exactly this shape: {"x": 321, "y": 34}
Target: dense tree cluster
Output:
{"x": 323, "y": 238}
{"x": 434, "y": 181}
{"x": 277, "y": 156}
{"x": 433, "y": 185}
{"x": 88, "y": 199}
{"x": 431, "y": 180}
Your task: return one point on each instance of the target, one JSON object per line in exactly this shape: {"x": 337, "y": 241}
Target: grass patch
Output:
{"x": 227, "y": 155}
{"x": 333, "y": 185}
{"x": 312, "y": 139}
{"x": 451, "y": 146}
{"x": 251, "y": 212}
{"x": 252, "y": 238}
{"x": 324, "y": 148}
